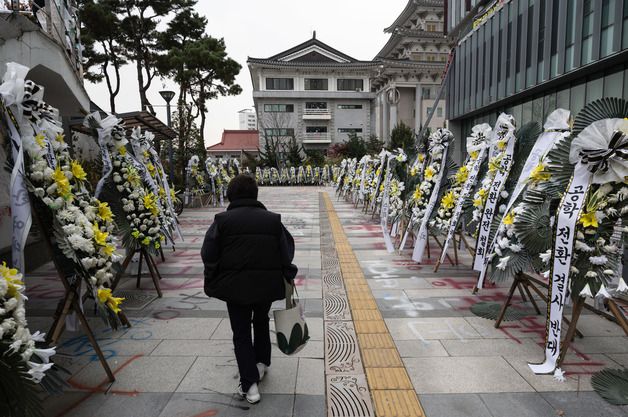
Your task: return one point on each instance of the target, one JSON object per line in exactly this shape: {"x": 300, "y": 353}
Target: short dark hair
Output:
{"x": 242, "y": 186}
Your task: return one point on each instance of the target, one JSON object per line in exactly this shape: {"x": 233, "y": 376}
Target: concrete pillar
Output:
{"x": 385, "y": 118}
{"x": 418, "y": 108}
{"x": 378, "y": 116}
{"x": 393, "y": 116}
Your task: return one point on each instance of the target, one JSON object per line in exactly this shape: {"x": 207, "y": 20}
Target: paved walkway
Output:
{"x": 387, "y": 336}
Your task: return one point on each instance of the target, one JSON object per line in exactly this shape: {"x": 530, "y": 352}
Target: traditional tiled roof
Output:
{"x": 307, "y": 44}
{"x": 237, "y": 140}
{"x": 296, "y": 64}
{"x": 397, "y": 37}
{"x": 409, "y": 11}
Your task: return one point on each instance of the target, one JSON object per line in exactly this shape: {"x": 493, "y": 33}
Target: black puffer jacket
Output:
{"x": 247, "y": 254}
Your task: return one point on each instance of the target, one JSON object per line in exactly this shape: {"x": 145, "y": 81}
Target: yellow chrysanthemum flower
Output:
{"x": 63, "y": 185}
{"x": 13, "y": 279}
{"x": 122, "y": 150}
{"x": 78, "y": 171}
{"x": 104, "y": 211}
{"x": 135, "y": 234}
{"x": 421, "y": 157}
{"x": 474, "y": 155}
{"x": 494, "y": 165}
{"x": 478, "y": 202}
{"x": 40, "y": 139}
{"x": 60, "y": 137}
{"x": 151, "y": 169}
{"x": 417, "y": 194}
{"x": 413, "y": 171}
{"x": 150, "y": 202}
{"x": 462, "y": 175}
{"x": 146, "y": 241}
{"x": 449, "y": 200}
{"x": 539, "y": 174}
{"x": 588, "y": 219}
{"x": 483, "y": 192}
{"x": 109, "y": 249}
{"x": 99, "y": 237}
{"x": 133, "y": 177}
{"x": 509, "y": 218}
{"x": 429, "y": 173}
{"x": 105, "y": 297}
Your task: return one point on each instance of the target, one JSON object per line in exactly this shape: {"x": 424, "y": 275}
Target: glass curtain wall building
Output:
{"x": 529, "y": 57}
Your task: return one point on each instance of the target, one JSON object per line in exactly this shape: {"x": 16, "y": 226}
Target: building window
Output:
{"x": 279, "y": 108}
{"x": 321, "y": 105}
{"x": 587, "y": 32}
{"x": 315, "y": 129}
{"x": 431, "y": 27}
{"x": 606, "y": 42}
{"x": 349, "y": 106}
{"x": 349, "y": 130}
{"x": 279, "y": 132}
{"x": 439, "y": 112}
{"x": 316, "y": 84}
{"x": 570, "y": 36}
{"x": 426, "y": 92}
{"x": 280, "y": 83}
{"x": 350, "y": 85}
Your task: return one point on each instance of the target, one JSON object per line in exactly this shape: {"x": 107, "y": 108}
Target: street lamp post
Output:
{"x": 168, "y": 96}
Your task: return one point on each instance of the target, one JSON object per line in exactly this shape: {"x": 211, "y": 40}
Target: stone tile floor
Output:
{"x": 177, "y": 359}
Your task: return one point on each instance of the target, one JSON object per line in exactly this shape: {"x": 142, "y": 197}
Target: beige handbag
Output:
{"x": 290, "y": 326}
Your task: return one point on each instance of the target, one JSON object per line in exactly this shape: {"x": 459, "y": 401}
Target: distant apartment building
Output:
{"x": 314, "y": 93}
{"x": 247, "y": 119}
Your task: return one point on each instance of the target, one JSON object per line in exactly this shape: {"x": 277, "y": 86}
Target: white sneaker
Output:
{"x": 261, "y": 369}
{"x": 252, "y": 395}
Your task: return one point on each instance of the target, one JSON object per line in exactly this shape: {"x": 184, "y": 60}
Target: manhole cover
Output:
{"x": 135, "y": 300}
{"x": 491, "y": 311}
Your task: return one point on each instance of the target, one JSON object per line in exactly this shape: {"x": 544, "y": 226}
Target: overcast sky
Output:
{"x": 262, "y": 28}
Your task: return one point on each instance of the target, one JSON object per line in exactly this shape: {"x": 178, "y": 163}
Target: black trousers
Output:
{"x": 248, "y": 352}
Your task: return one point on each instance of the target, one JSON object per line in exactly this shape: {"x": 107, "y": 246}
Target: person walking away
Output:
{"x": 247, "y": 254}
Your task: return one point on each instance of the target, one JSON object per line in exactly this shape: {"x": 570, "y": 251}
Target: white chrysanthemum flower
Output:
{"x": 598, "y": 260}
{"x": 503, "y": 262}
{"x": 516, "y": 247}
{"x": 546, "y": 256}
{"x": 590, "y": 274}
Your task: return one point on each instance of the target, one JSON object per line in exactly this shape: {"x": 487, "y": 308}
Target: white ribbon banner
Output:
{"x": 542, "y": 145}
{"x": 464, "y": 194}
{"x": 419, "y": 246}
{"x": 382, "y": 159}
{"x": 20, "y": 204}
{"x": 568, "y": 214}
{"x": 383, "y": 217}
{"x": 491, "y": 203}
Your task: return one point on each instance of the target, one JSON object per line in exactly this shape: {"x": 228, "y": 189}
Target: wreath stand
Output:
{"x": 615, "y": 316}
{"x": 456, "y": 245}
{"x": 71, "y": 302}
{"x": 150, "y": 262}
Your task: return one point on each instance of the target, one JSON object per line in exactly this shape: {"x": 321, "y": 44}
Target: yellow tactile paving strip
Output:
{"x": 388, "y": 380}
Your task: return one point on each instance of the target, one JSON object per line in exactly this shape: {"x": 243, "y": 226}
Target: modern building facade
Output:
{"x": 247, "y": 119}
{"x": 411, "y": 67}
{"x": 314, "y": 93}
{"x": 530, "y": 57}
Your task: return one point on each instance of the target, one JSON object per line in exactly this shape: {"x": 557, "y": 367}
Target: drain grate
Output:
{"x": 333, "y": 279}
{"x": 336, "y": 306}
{"x": 342, "y": 354}
{"x": 348, "y": 396}
{"x": 135, "y": 300}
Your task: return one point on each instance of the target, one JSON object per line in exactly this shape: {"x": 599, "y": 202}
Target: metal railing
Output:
{"x": 317, "y": 112}
{"x": 317, "y": 138}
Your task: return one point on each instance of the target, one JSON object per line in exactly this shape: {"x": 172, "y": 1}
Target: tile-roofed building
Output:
{"x": 312, "y": 93}
{"x": 319, "y": 95}
{"x": 234, "y": 143}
